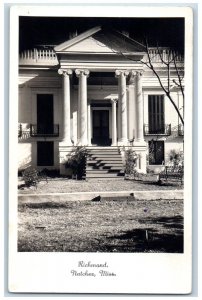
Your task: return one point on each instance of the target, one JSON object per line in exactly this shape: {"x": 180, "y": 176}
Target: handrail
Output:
{"x": 164, "y": 129}
{"x": 41, "y": 130}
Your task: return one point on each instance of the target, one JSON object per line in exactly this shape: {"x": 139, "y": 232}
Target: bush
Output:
{"x": 176, "y": 158}
{"x": 130, "y": 161}
{"x": 76, "y": 160}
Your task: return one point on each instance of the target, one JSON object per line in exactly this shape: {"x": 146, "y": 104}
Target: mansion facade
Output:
{"x": 94, "y": 91}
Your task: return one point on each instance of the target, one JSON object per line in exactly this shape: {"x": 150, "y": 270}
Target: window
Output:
{"x": 45, "y": 114}
{"x": 45, "y": 153}
{"x": 156, "y": 152}
{"x": 156, "y": 114}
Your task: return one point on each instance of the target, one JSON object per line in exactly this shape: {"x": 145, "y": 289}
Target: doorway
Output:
{"x": 101, "y": 128}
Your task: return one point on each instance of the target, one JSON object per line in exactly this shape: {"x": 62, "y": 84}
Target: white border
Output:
{"x": 137, "y": 273}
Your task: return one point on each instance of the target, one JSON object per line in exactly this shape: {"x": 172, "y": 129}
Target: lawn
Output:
{"x": 62, "y": 185}
{"x": 125, "y": 225}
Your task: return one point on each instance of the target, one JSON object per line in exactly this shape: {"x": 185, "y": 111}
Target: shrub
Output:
{"x": 176, "y": 158}
{"x": 130, "y": 161}
{"x": 76, "y": 160}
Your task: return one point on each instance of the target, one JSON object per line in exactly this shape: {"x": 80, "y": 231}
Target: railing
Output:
{"x": 163, "y": 130}
{"x": 159, "y": 54}
{"x": 44, "y": 131}
{"x": 49, "y": 56}
{"x": 180, "y": 130}
{"x": 19, "y": 130}
{"x": 38, "y": 56}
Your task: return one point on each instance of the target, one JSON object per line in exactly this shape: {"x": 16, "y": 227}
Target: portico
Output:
{"x": 116, "y": 104}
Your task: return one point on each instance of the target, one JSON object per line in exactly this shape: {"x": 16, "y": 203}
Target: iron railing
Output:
{"x": 162, "y": 130}
{"x": 180, "y": 130}
{"x": 19, "y": 130}
{"x": 44, "y": 131}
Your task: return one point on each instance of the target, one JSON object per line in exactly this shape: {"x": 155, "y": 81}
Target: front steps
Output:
{"x": 104, "y": 162}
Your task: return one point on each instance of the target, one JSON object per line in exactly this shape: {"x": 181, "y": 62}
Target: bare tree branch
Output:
{"x": 179, "y": 78}
{"x": 170, "y": 58}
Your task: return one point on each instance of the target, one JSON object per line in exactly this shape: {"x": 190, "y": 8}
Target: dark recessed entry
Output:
{"x": 45, "y": 153}
{"x": 101, "y": 128}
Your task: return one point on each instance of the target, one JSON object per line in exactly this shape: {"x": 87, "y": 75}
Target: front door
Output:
{"x": 101, "y": 127}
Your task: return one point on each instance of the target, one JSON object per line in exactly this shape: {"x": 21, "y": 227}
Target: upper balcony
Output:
{"x": 180, "y": 130}
{"x": 44, "y": 131}
{"x": 48, "y": 56}
{"x": 157, "y": 55}
{"x": 38, "y": 57}
{"x": 162, "y": 130}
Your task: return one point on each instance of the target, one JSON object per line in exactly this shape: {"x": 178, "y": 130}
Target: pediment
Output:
{"x": 98, "y": 40}
{"x": 88, "y": 45}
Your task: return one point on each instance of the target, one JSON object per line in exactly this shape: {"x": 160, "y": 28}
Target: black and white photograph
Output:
{"x": 102, "y": 142}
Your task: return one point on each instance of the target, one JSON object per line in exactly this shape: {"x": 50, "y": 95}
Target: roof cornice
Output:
{"x": 77, "y": 39}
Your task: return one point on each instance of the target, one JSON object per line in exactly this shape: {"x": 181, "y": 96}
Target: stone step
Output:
{"x": 104, "y": 167}
{"x": 94, "y": 156}
{"x": 104, "y": 152}
{"x": 114, "y": 158}
{"x": 104, "y": 176}
{"x": 118, "y": 168}
{"x": 103, "y": 172}
{"x": 103, "y": 149}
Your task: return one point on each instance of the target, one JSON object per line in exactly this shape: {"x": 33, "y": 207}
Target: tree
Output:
{"x": 169, "y": 63}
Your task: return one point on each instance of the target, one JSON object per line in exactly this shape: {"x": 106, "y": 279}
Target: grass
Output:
{"x": 62, "y": 185}
{"x": 102, "y": 226}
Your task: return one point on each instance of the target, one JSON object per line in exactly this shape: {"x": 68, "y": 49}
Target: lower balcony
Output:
{"x": 44, "y": 131}
{"x": 162, "y": 130}
{"x": 19, "y": 130}
{"x": 180, "y": 130}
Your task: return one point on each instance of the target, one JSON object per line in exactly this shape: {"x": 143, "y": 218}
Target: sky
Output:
{"x": 55, "y": 30}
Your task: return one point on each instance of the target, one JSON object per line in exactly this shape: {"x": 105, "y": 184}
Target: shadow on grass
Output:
{"x": 152, "y": 240}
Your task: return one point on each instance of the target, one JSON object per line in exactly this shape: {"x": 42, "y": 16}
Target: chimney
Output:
{"x": 72, "y": 34}
{"x": 126, "y": 33}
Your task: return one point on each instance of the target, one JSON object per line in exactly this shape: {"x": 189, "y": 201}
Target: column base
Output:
{"x": 64, "y": 151}
{"x": 67, "y": 143}
{"x": 123, "y": 142}
{"x": 139, "y": 143}
{"x": 83, "y": 143}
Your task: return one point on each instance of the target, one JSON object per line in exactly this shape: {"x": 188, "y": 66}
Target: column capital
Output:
{"x": 80, "y": 72}
{"x": 114, "y": 100}
{"x": 121, "y": 72}
{"x": 132, "y": 77}
{"x": 139, "y": 73}
{"x": 64, "y": 72}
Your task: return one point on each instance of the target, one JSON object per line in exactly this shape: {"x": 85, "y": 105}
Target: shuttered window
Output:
{"x": 156, "y": 114}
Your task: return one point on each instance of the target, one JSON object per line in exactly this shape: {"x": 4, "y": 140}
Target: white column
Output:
{"x": 89, "y": 123}
{"x": 140, "y": 121}
{"x": 82, "y": 117}
{"x": 121, "y": 74}
{"x": 66, "y": 106}
{"x": 114, "y": 123}
{"x": 131, "y": 107}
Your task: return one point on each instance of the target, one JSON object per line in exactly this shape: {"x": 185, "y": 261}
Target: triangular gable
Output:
{"x": 98, "y": 40}
{"x": 89, "y": 45}
{"x": 64, "y": 46}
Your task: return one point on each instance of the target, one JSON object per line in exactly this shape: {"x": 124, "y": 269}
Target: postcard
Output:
{"x": 100, "y": 149}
